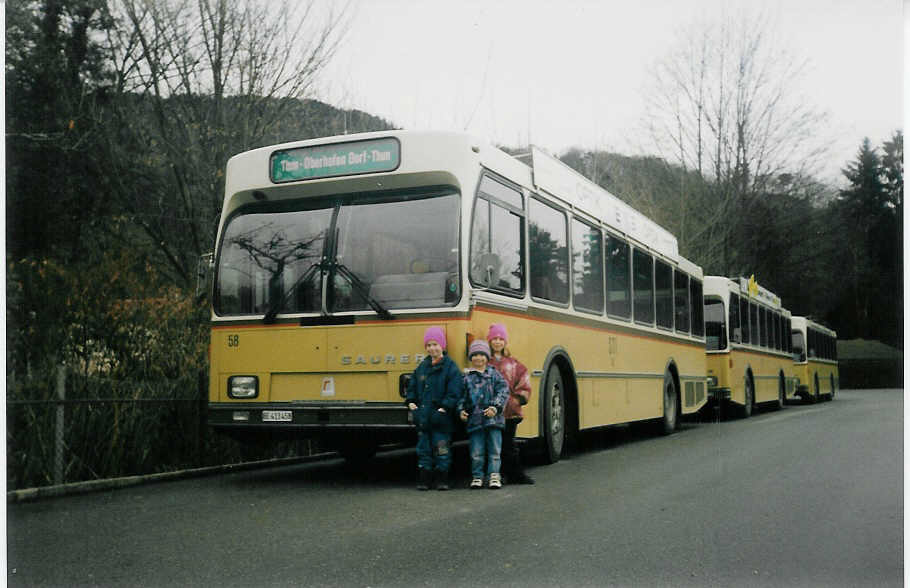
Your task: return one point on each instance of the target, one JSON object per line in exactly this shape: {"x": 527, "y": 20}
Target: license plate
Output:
{"x": 276, "y": 416}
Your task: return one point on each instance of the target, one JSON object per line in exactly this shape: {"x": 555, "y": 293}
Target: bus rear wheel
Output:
{"x": 554, "y": 415}
{"x": 749, "y": 399}
{"x": 670, "y": 419}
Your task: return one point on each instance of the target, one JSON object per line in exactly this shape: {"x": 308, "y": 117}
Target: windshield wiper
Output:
{"x": 361, "y": 289}
{"x": 341, "y": 270}
{"x": 278, "y": 303}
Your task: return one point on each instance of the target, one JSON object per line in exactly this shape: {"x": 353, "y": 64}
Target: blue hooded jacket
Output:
{"x": 433, "y": 387}
{"x": 481, "y": 391}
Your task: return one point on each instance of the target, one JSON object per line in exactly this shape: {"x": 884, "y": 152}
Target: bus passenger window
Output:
{"x": 643, "y": 286}
{"x": 744, "y": 317}
{"x": 549, "y": 253}
{"x": 696, "y": 297}
{"x": 619, "y": 302}
{"x": 755, "y": 325}
{"x": 663, "y": 294}
{"x": 681, "y": 296}
{"x": 587, "y": 267}
{"x": 736, "y": 332}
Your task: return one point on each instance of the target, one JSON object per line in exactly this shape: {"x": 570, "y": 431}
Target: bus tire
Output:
{"x": 749, "y": 400}
{"x": 554, "y": 413}
{"x": 670, "y": 419}
{"x": 815, "y": 394}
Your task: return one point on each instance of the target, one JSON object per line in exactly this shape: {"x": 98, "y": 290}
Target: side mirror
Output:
{"x": 204, "y": 270}
{"x": 490, "y": 268}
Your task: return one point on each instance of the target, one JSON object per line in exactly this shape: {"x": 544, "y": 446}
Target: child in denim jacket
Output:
{"x": 481, "y": 407}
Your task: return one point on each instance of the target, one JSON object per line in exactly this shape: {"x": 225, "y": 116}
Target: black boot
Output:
{"x": 424, "y": 478}
{"x": 442, "y": 480}
{"x": 520, "y": 477}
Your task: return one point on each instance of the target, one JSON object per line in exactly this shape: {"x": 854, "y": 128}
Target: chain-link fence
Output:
{"x": 66, "y": 427}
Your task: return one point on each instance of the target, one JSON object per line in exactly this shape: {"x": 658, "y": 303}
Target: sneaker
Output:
{"x": 495, "y": 482}
{"x": 476, "y": 483}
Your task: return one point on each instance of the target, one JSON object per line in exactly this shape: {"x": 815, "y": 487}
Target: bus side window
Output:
{"x": 548, "y": 244}
{"x": 587, "y": 268}
{"x": 681, "y": 297}
{"x": 696, "y": 296}
{"x": 619, "y": 296}
{"x": 663, "y": 291}
{"x": 735, "y": 329}
{"x": 755, "y": 325}
{"x": 643, "y": 286}
{"x": 497, "y": 237}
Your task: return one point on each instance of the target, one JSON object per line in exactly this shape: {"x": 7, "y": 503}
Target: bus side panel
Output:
{"x": 769, "y": 376}
{"x": 619, "y": 374}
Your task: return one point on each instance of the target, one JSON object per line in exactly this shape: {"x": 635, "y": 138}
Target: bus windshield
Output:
{"x": 715, "y": 326}
{"x": 401, "y": 248}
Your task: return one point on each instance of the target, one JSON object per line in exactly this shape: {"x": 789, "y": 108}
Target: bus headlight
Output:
{"x": 243, "y": 386}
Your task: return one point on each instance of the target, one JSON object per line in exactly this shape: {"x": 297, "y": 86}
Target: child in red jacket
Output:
{"x": 516, "y": 375}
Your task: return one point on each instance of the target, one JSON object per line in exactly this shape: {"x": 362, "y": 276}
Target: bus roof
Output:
{"x": 803, "y": 322}
{"x": 746, "y": 287}
{"x": 249, "y": 172}
{"x": 561, "y": 181}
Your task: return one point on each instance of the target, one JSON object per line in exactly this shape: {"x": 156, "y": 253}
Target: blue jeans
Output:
{"x": 486, "y": 447}
{"x": 434, "y": 448}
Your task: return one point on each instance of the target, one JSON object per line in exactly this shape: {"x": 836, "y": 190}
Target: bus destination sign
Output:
{"x": 341, "y": 159}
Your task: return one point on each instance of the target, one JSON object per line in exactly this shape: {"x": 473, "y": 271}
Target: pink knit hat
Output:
{"x": 435, "y": 334}
{"x": 498, "y": 330}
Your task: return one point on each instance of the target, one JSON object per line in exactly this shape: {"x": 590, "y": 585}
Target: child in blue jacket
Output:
{"x": 432, "y": 397}
{"x": 481, "y": 407}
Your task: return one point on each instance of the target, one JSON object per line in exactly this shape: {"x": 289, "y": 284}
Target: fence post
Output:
{"x": 58, "y": 444}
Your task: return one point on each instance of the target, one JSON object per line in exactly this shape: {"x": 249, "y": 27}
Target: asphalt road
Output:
{"x": 808, "y": 496}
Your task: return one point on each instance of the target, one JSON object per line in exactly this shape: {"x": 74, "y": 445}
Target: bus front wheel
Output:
{"x": 554, "y": 415}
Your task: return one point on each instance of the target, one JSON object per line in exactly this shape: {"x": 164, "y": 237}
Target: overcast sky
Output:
{"x": 573, "y": 72}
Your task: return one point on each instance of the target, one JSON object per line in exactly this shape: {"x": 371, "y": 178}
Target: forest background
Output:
{"x": 120, "y": 118}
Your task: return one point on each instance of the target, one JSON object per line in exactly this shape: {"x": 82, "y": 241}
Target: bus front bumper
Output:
{"x": 301, "y": 417}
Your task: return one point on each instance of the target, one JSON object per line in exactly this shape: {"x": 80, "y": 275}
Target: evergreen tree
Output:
{"x": 868, "y": 213}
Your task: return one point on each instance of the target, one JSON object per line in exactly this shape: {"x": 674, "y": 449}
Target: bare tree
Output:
{"x": 200, "y": 80}
{"x": 724, "y": 105}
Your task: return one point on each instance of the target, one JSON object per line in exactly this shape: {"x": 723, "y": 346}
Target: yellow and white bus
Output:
{"x": 815, "y": 359}
{"x": 747, "y": 345}
{"x": 333, "y": 256}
